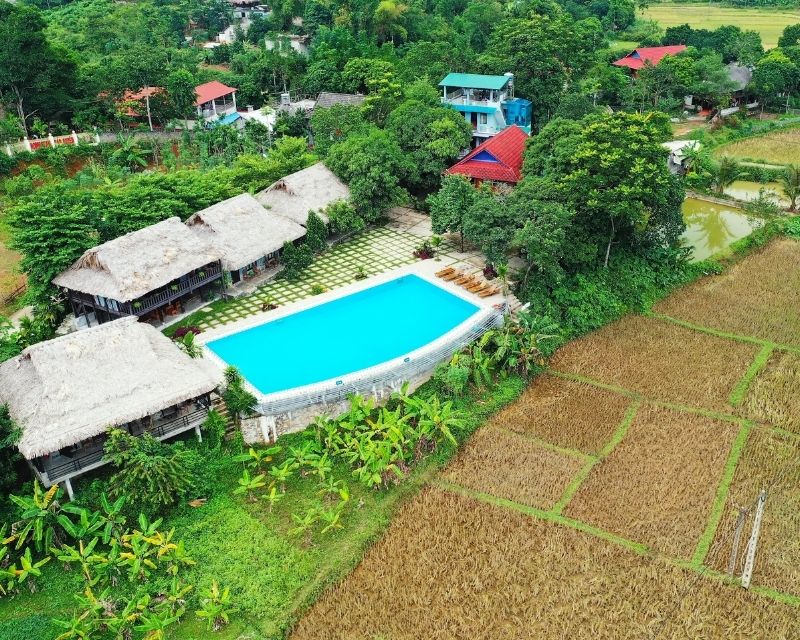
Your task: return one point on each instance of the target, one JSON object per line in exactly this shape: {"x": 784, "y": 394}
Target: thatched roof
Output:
{"x": 293, "y": 196}
{"x": 242, "y": 230}
{"x": 74, "y": 387}
{"x": 132, "y": 265}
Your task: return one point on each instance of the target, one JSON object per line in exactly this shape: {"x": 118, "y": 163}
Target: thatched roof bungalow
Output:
{"x": 312, "y": 188}
{"x": 65, "y": 393}
{"x": 148, "y": 273}
{"x": 247, "y": 236}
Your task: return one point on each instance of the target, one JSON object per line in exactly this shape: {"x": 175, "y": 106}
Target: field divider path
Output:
{"x": 637, "y": 547}
{"x": 564, "y": 451}
{"x": 721, "y": 497}
{"x": 722, "y": 334}
{"x": 759, "y": 362}
{"x": 580, "y": 477}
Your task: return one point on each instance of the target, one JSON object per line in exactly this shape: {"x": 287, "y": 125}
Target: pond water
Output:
{"x": 712, "y": 227}
{"x": 747, "y": 190}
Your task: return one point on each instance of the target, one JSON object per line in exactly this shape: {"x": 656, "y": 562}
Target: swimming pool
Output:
{"x": 345, "y": 335}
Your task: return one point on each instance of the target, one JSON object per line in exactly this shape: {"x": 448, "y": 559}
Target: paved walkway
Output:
{"x": 372, "y": 252}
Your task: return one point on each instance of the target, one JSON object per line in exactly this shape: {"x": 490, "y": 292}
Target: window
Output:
{"x": 483, "y": 118}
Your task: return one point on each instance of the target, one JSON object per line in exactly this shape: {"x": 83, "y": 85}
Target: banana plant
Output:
{"x": 321, "y": 466}
{"x": 250, "y": 484}
{"x": 113, "y": 520}
{"x": 304, "y": 522}
{"x": 331, "y": 518}
{"x": 87, "y": 525}
{"x": 28, "y": 568}
{"x": 283, "y": 472}
{"x": 83, "y": 555}
{"x": 39, "y": 522}
{"x": 274, "y": 497}
{"x": 174, "y": 600}
{"x": 306, "y": 454}
{"x": 258, "y": 458}
{"x": 216, "y": 607}
{"x": 154, "y": 624}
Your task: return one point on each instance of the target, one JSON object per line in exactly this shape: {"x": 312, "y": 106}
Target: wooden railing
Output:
{"x": 90, "y": 458}
{"x": 168, "y": 294}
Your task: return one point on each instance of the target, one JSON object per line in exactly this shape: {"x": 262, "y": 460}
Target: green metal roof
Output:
{"x": 474, "y": 81}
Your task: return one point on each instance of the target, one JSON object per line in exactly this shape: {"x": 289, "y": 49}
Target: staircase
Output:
{"x": 218, "y": 405}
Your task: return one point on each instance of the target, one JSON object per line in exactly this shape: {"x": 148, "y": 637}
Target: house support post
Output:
{"x": 198, "y": 432}
{"x": 68, "y": 487}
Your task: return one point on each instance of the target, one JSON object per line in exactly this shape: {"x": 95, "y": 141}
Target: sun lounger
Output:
{"x": 453, "y": 276}
{"x": 463, "y": 280}
{"x": 488, "y": 292}
{"x": 474, "y": 288}
{"x": 445, "y": 272}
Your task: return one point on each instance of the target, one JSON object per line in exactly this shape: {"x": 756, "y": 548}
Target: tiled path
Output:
{"x": 375, "y": 251}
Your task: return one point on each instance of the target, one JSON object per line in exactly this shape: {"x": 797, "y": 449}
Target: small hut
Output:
{"x": 310, "y": 189}
{"x": 65, "y": 393}
{"x": 248, "y": 237}
{"x": 151, "y": 273}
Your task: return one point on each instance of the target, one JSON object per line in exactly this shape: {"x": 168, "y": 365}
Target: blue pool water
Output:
{"x": 345, "y": 335}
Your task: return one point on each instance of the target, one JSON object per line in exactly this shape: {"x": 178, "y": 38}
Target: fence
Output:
{"x": 377, "y": 378}
{"x": 73, "y": 139}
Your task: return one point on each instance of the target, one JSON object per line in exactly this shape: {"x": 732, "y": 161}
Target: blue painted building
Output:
{"x": 487, "y": 102}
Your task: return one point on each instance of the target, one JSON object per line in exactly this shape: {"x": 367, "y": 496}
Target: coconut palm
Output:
{"x": 724, "y": 173}
{"x": 128, "y": 153}
{"x": 790, "y": 181}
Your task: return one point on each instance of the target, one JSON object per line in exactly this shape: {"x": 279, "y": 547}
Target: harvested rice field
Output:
{"x": 774, "y": 396}
{"x": 658, "y": 485}
{"x": 772, "y": 461}
{"x": 508, "y": 465}
{"x": 758, "y": 297}
{"x": 451, "y": 567}
{"x": 660, "y": 360}
{"x": 569, "y": 414}
{"x": 778, "y": 147}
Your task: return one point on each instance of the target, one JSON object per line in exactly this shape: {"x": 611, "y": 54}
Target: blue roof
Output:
{"x": 474, "y": 81}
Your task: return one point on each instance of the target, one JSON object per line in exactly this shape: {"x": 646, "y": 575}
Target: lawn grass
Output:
{"x": 660, "y": 360}
{"x": 634, "y": 492}
{"x": 453, "y": 567}
{"x": 273, "y": 576}
{"x": 569, "y": 414}
{"x": 511, "y": 466}
{"x": 756, "y": 297}
{"x": 767, "y": 21}
{"x": 777, "y": 147}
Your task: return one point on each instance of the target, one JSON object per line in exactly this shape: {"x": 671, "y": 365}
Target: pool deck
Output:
{"x": 425, "y": 269}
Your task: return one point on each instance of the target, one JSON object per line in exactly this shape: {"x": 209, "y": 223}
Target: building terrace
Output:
{"x": 149, "y": 273}
{"x": 65, "y": 393}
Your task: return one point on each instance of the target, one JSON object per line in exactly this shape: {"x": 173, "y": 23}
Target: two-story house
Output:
{"x": 487, "y": 102}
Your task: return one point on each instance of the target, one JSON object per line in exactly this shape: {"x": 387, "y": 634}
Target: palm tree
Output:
{"x": 724, "y": 173}
{"x": 790, "y": 181}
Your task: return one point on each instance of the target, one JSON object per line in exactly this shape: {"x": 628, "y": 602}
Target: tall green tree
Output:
{"x": 180, "y": 88}
{"x": 790, "y": 181}
{"x": 373, "y": 165}
{"x": 449, "y": 205}
{"x": 35, "y": 76}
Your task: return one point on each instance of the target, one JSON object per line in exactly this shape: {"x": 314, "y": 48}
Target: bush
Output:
{"x": 295, "y": 259}
{"x": 316, "y": 233}
{"x": 343, "y": 217}
{"x": 153, "y": 475}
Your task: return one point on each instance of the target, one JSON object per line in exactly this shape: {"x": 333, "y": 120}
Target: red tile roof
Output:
{"x": 507, "y": 149}
{"x": 209, "y": 91}
{"x": 653, "y": 55}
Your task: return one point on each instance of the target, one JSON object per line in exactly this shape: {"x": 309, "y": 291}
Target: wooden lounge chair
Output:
{"x": 489, "y": 292}
{"x": 474, "y": 288}
{"x": 445, "y": 272}
{"x": 463, "y": 280}
{"x": 453, "y": 276}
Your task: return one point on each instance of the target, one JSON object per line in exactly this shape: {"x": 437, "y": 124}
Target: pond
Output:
{"x": 711, "y": 227}
{"x": 747, "y": 190}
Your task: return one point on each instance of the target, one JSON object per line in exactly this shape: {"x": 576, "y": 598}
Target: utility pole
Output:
{"x": 737, "y": 536}
{"x": 750, "y": 559}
